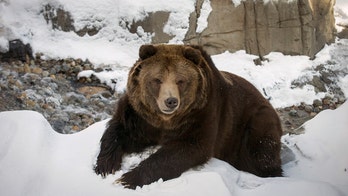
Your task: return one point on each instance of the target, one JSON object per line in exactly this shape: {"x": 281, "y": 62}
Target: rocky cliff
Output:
{"x": 259, "y": 27}
{"x": 296, "y": 27}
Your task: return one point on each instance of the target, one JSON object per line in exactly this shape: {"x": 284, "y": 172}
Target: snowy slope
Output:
{"x": 35, "y": 160}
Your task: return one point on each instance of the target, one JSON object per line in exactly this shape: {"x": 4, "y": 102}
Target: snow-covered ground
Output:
{"x": 35, "y": 160}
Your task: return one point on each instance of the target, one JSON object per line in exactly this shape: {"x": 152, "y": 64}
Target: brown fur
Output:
{"x": 216, "y": 114}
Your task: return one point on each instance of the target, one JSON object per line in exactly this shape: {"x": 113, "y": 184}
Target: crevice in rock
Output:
{"x": 191, "y": 33}
{"x": 278, "y": 14}
{"x": 245, "y": 27}
{"x": 300, "y": 4}
{"x": 220, "y": 33}
{"x": 257, "y": 32}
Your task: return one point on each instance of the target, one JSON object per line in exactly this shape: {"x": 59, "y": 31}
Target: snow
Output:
{"x": 36, "y": 160}
{"x": 236, "y": 3}
{"x": 202, "y": 21}
{"x": 116, "y": 79}
{"x": 114, "y": 44}
{"x": 341, "y": 13}
{"x": 274, "y": 77}
{"x": 116, "y": 47}
{"x": 324, "y": 143}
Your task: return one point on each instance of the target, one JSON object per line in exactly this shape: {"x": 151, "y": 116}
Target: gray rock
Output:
{"x": 59, "y": 125}
{"x": 318, "y": 84}
{"x": 317, "y": 102}
{"x": 45, "y": 73}
{"x": 316, "y": 110}
{"x": 287, "y": 155}
{"x": 341, "y": 99}
{"x": 308, "y": 108}
{"x": 293, "y": 112}
{"x": 18, "y": 50}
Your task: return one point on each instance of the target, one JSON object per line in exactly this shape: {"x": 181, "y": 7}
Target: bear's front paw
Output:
{"x": 105, "y": 168}
{"x": 133, "y": 179}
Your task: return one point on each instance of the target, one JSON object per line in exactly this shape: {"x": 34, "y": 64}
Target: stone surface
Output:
{"x": 291, "y": 27}
{"x": 62, "y": 20}
{"x": 154, "y": 24}
{"x": 59, "y": 18}
{"x": 17, "y": 50}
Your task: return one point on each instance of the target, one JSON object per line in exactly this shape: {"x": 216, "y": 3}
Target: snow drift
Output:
{"x": 36, "y": 160}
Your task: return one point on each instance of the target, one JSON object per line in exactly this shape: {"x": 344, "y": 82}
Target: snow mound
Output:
{"x": 36, "y": 160}
{"x": 321, "y": 151}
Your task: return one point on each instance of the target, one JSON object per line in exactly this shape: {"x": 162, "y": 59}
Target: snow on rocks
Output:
{"x": 51, "y": 88}
{"x": 321, "y": 150}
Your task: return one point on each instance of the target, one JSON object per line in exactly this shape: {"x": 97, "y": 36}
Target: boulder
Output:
{"x": 17, "y": 50}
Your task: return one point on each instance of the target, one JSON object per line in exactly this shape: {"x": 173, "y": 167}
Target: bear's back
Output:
{"x": 242, "y": 87}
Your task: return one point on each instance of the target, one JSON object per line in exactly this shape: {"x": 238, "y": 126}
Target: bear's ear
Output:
{"x": 147, "y": 51}
{"x": 193, "y": 55}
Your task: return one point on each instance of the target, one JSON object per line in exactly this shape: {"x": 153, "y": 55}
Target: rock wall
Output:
{"x": 298, "y": 27}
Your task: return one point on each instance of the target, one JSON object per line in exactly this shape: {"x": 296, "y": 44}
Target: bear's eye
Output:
{"x": 157, "y": 81}
{"x": 180, "y": 82}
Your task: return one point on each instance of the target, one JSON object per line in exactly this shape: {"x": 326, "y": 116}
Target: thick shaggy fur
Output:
{"x": 220, "y": 115}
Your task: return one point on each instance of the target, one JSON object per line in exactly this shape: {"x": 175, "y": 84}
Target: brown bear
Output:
{"x": 176, "y": 98}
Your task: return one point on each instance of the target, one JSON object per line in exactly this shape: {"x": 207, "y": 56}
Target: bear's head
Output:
{"x": 167, "y": 83}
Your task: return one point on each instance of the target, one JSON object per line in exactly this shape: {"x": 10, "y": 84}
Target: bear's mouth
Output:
{"x": 168, "y": 111}
{"x": 169, "y": 105}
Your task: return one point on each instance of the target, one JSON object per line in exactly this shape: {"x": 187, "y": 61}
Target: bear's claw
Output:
{"x": 124, "y": 183}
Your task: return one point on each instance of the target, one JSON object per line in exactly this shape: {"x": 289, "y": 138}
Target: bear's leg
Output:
{"x": 121, "y": 137}
{"x": 116, "y": 142}
{"x": 110, "y": 155}
{"x": 170, "y": 161}
{"x": 266, "y": 160}
{"x": 263, "y": 144}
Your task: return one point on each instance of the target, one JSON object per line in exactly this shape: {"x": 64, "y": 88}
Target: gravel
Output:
{"x": 52, "y": 89}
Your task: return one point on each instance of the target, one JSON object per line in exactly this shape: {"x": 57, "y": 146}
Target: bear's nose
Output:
{"x": 171, "y": 102}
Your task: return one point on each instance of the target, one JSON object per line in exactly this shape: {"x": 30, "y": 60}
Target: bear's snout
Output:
{"x": 169, "y": 105}
{"x": 171, "y": 102}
